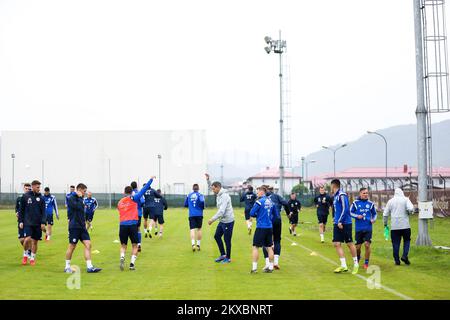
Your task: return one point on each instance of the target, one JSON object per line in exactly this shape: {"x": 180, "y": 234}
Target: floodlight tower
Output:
{"x": 432, "y": 97}
{"x": 279, "y": 47}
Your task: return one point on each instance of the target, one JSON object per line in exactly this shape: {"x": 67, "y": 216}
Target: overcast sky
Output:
{"x": 87, "y": 65}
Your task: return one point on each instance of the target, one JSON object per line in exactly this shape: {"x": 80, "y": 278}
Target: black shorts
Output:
{"x": 78, "y": 234}
{"x": 263, "y": 237}
{"x": 139, "y": 221}
{"x": 363, "y": 236}
{"x": 49, "y": 219}
{"x": 247, "y": 214}
{"x": 146, "y": 212}
{"x": 89, "y": 216}
{"x": 195, "y": 222}
{"x": 128, "y": 232}
{"x": 294, "y": 218}
{"x": 322, "y": 218}
{"x": 159, "y": 218}
{"x": 344, "y": 234}
{"x": 152, "y": 214}
{"x": 276, "y": 230}
{"x": 35, "y": 232}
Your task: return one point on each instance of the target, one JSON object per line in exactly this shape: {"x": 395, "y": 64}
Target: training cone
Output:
{"x": 96, "y": 251}
{"x": 313, "y": 254}
{"x": 116, "y": 241}
{"x": 294, "y": 244}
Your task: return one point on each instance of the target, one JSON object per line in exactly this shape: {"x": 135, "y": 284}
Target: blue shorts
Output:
{"x": 159, "y": 218}
{"x": 128, "y": 232}
{"x": 322, "y": 218}
{"x": 263, "y": 237}
{"x": 78, "y": 234}
{"x": 344, "y": 234}
{"x": 49, "y": 219}
{"x": 146, "y": 212}
{"x": 89, "y": 216}
{"x": 363, "y": 236}
{"x": 35, "y": 232}
{"x": 195, "y": 222}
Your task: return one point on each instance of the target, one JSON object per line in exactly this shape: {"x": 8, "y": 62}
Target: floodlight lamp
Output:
{"x": 267, "y": 39}
{"x": 268, "y": 49}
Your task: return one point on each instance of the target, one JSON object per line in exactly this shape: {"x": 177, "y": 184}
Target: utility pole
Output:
{"x": 423, "y": 238}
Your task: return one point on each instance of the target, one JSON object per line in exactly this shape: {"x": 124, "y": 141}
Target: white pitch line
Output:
{"x": 401, "y": 295}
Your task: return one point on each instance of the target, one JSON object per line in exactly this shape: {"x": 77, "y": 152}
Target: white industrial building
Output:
{"x": 104, "y": 160}
{"x": 271, "y": 177}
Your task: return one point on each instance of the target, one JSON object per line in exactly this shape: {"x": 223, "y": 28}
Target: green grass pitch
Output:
{"x": 168, "y": 269}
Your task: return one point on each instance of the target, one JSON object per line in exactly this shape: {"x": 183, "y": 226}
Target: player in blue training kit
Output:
{"x": 160, "y": 206}
{"x": 249, "y": 198}
{"x": 195, "y": 201}
{"x": 263, "y": 210}
{"x": 342, "y": 231}
{"x": 365, "y": 215}
{"x": 77, "y": 229}
{"x": 90, "y": 205}
{"x": 71, "y": 193}
{"x": 279, "y": 203}
{"x": 140, "y": 205}
{"x": 150, "y": 210}
{"x": 50, "y": 205}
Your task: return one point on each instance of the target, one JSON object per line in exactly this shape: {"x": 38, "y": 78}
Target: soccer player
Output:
{"x": 77, "y": 229}
{"x": 140, "y": 204}
{"x": 90, "y": 205}
{"x": 323, "y": 203}
{"x": 26, "y": 188}
{"x": 195, "y": 201}
{"x": 50, "y": 205}
{"x": 71, "y": 193}
{"x": 160, "y": 206}
{"x": 149, "y": 203}
{"x": 294, "y": 207}
{"x": 263, "y": 210}
{"x": 129, "y": 217}
{"x": 342, "y": 231}
{"x": 364, "y": 212}
{"x": 279, "y": 203}
{"x": 32, "y": 219}
{"x": 225, "y": 215}
{"x": 249, "y": 199}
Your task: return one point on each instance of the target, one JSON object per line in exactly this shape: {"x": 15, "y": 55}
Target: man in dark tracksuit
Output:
{"x": 32, "y": 219}
{"x": 77, "y": 229}
{"x": 160, "y": 206}
{"x": 323, "y": 203}
{"x": 249, "y": 199}
{"x": 26, "y": 188}
{"x": 279, "y": 203}
{"x": 294, "y": 207}
{"x": 149, "y": 211}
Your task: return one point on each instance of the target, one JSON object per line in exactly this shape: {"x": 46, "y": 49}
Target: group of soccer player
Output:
{"x": 35, "y": 215}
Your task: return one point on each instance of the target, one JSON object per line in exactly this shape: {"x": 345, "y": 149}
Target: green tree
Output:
{"x": 300, "y": 188}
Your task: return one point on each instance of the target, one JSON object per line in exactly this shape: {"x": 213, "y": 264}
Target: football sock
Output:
{"x": 366, "y": 261}
{"x": 355, "y": 260}
{"x": 254, "y": 265}
{"x": 89, "y": 264}
{"x": 122, "y": 255}
{"x": 25, "y": 253}
{"x": 270, "y": 266}
{"x": 67, "y": 264}
{"x": 193, "y": 242}
{"x": 33, "y": 256}
{"x": 343, "y": 263}
{"x": 198, "y": 243}
{"x": 322, "y": 238}
{"x": 267, "y": 262}
{"x": 276, "y": 258}
{"x": 133, "y": 259}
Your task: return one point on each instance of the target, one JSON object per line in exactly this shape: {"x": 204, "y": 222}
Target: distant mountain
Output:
{"x": 369, "y": 150}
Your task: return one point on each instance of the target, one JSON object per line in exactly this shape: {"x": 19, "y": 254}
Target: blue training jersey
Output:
{"x": 90, "y": 205}
{"x": 67, "y": 201}
{"x": 263, "y": 210}
{"x": 195, "y": 201}
{"x": 50, "y": 205}
{"x": 366, "y": 209}
{"x": 341, "y": 208}
{"x": 249, "y": 199}
{"x": 140, "y": 202}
